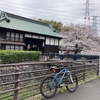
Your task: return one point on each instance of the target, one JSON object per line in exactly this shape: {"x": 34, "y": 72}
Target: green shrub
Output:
{"x": 14, "y": 56}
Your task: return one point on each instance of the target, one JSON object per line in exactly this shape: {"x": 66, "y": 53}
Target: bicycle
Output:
{"x": 62, "y": 78}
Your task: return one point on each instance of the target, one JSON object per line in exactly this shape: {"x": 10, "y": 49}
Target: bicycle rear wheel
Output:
{"x": 72, "y": 84}
{"x": 48, "y": 87}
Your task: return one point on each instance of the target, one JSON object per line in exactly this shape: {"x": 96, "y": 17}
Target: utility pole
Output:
{"x": 87, "y": 13}
{"x": 94, "y": 24}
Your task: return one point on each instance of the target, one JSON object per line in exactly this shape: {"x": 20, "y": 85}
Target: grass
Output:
{"x": 21, "y": 95}
{"x": 5, "y": 95}
{"x": 60, "y": 90}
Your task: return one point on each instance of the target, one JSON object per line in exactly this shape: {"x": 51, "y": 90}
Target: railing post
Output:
{"x": 16, "y": 84}
{"x": 99, "y": 64}
{"x": 98, "y": 70}
{"x": 84, "y": 71}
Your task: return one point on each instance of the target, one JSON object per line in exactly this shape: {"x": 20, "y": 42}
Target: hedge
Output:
{"x": 15, "y": 56}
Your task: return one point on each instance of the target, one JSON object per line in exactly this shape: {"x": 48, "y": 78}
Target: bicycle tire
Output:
{"x": 43, "y": 91}
{"x": 69, "y": 82}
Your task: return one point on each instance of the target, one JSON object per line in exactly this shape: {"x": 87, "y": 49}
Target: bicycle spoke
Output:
{"x": 48, "y": 87}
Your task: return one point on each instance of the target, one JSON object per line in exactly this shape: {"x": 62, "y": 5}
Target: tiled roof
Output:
{"x": 29, "y": 25}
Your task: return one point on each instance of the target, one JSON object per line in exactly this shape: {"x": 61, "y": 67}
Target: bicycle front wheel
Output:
{"x": 72, "y": 83}
{"x": 48, "y": 87}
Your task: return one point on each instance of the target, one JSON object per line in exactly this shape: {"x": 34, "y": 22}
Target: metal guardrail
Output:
{"x": 21, "y": 80}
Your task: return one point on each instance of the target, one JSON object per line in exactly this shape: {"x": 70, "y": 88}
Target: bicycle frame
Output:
{"x": 59, "y": 81}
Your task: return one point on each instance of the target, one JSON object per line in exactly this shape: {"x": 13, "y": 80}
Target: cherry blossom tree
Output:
{"x": 83, "y": 38}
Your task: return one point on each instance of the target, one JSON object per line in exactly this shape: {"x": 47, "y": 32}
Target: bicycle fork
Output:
{"x": 71, "y": 77}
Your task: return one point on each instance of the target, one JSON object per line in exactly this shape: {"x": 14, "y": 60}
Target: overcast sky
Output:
{"x": 65, "y": 11}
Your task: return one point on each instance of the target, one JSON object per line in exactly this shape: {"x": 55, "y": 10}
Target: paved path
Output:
{"x": 87, "y": 91}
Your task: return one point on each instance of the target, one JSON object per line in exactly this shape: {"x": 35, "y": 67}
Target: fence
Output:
{"x": 21, "y": 81}
{"x": 76, "y": 56}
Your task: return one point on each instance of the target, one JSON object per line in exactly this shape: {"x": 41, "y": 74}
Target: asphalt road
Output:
{"x": 86, "y": 91}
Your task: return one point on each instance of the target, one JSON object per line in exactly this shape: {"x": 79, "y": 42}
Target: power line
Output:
{"x": 41, "y": 11}
{"x": 21, "y": 7}
{"x": 40, "y": 3}
{"x": 29, "y": 6}
{"x": 96, "y": 4}
{"x": 36, "y": 13}
{"x": 64, "y": 11}
{"x": 64, "y": 19}
{"x": 36, "y": 3}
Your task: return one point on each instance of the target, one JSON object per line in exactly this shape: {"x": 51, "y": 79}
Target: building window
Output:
{"x": 41, "y": 37}
{"x": 7, "y": 47}
{"x": 28, "y": 35}
{"x": 8, "y": 35}
{"x": 21, "y": 37}
{"x": 52, "y": 41}
{"x": 12, "y": 36}
{"x": 43, "y": 44}
{"x": 12, "y": 47}
{"x": 16, "y": 37}
{"x": 35, "y": 36}
{"x": 21, "y": 47}
{"x": 16, "y": 47}
{"x": 56, "y": 42}
{"x": 47, "y": 40}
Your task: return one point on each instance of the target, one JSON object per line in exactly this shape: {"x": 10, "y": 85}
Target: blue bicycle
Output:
{"x": 64, "y": 77}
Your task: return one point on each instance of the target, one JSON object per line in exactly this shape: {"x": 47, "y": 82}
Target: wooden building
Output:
{"x": 17, "y": 32}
